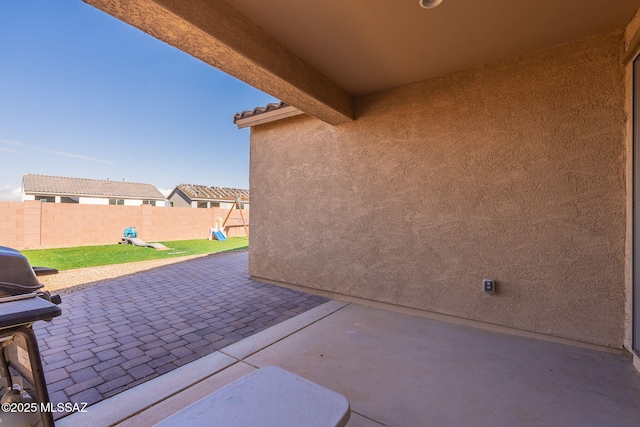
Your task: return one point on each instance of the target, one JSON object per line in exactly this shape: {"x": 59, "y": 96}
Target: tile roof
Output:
{"x": 202, "y": 192}
{"x": 259, "y": 110}
{"x": 64, "y": 186}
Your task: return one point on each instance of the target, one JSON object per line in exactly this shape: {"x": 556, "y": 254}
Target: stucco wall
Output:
{"x": 512, "y": 171}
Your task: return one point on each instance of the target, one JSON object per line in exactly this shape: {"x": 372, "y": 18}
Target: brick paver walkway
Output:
{"x": 128, "y": 330}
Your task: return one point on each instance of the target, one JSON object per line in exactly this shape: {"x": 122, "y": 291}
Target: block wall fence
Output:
{"x": 33, "y": 224}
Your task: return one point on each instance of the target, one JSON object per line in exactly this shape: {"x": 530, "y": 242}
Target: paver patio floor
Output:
{"x": 125, "y": 331}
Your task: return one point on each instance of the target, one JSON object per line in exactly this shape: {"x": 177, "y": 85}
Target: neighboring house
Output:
{"x": 59, "y": 189}
{"x": 201, "y": 196}
{"x": 480, "y": 139}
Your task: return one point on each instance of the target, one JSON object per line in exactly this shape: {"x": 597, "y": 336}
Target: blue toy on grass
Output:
{"x": 130, "y": 232}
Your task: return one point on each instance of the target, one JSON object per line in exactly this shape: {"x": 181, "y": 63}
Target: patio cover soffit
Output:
{"x": 317, "y": 56}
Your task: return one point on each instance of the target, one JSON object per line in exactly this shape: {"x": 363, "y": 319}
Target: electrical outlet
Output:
{"x": 489, "y": 286}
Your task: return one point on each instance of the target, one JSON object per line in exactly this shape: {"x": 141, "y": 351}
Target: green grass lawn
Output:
{"x": 91, "y": 256}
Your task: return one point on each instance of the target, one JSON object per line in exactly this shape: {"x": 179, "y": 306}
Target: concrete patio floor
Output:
{"x": 401, "y": 370}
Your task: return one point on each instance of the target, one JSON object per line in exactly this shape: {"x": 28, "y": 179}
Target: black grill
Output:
{"x": 22, "y": 302}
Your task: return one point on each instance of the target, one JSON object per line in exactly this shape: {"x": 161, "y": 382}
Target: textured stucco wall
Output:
{"x": 513, "y": 171}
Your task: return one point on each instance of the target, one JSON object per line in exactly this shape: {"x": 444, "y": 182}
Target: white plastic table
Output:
{"x": 268, "y": 397}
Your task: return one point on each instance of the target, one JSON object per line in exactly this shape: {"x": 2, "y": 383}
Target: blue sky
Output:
{"x": 85, "y": 95}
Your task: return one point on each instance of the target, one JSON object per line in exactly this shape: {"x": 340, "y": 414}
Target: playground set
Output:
{"x": 217, "y": 233}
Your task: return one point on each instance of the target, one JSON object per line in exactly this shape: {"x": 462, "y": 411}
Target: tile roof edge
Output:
{"x": 85, "y": 179}
{"x": 269, "y": 113}
{"x": 31, "y": 184}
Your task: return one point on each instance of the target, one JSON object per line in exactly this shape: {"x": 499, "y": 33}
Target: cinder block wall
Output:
{"x": 512, "y": 171}
{"x": 33, "y": 224}
{"x": 12, "y": 219}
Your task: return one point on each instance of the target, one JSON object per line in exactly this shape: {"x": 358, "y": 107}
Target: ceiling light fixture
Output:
{"x": 429, "y": 4}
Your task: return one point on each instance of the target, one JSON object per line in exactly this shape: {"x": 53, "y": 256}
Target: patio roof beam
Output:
{"x": 219, "y": 35}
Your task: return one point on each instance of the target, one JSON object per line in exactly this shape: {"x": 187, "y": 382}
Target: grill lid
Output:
{"x": 15, "y": 268}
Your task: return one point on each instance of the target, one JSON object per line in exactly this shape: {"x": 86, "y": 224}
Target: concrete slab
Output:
{"x": 401, "y": 370}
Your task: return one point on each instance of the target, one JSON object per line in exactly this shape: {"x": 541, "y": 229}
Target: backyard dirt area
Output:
{"x": 72, "y": 280}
